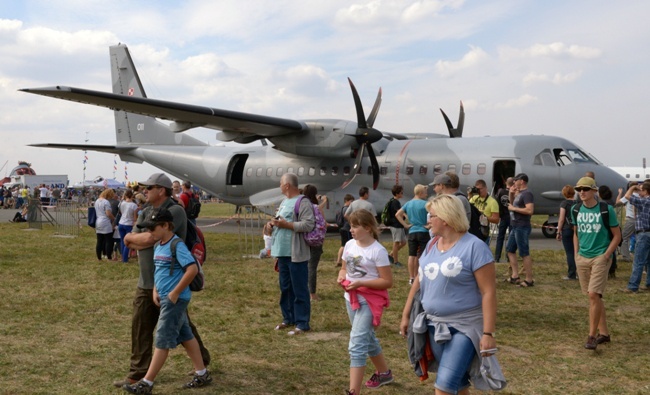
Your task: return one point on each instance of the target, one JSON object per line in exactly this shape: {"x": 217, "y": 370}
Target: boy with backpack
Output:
{"x": 172, "y": 294}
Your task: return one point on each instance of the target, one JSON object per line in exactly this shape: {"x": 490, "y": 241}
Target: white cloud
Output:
{"x": 520, "y": 101}
{"x": 471, "y": 59}
{"x": 552, "y": 50}
{"x": 556, "y": 79}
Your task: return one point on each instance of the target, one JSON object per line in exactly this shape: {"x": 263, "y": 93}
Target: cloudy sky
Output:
{"x": 578, "y": 69}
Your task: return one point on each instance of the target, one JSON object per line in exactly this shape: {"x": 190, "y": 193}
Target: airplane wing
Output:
{"x": 112, "y": 149}
{"x": 235, "y": 125}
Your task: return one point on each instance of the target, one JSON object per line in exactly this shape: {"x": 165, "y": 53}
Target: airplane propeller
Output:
{"x": 365, "y": 136}
{"x": 458, "y": 131}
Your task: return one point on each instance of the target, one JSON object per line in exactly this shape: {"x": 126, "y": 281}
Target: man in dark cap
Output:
{"x": 145, "y": 312}
{"x": 521, "y": 209}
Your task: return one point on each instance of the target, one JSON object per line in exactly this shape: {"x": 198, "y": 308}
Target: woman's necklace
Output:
{"x": 447, "y": 246}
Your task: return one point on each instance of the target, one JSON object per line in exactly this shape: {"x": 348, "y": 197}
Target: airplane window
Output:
{"x": 383, "y": 170}
{"x": 249, "y": 172}
{"x": 290, "y": 170}
{"x": 561, "y": 157}
{"x": 423, "y": 170}
{"x": 451, "y": 167}
{"x": 437, "y": 169}
{"x": 335, "y": 170}
{"x": 545, "y": 158}
{"x": 323, "y": 171}
{"x": 259, "y": 172}
{"x": 467, "y": 168}
{"x": 409, "y": 170}
{"x": 480, "y": 169}
{"x": 278, "y": 172}
{"x": 269, "y": 171}
{"x": 627, "y": 176}
{"x": 579, "y": 156}
{"x": 312, "y": 171}
{"x": 301, "y": 171}
{"x": 346, "y": 171}
{"x": 637, "y": 176}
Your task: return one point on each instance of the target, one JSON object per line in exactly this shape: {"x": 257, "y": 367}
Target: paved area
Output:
{"x": 218, "y": 225}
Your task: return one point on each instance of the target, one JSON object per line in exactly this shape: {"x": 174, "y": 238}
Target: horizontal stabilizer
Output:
{"x": 112, "y": 149}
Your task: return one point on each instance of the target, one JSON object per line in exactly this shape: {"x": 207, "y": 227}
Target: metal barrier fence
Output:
{"x": 66, "y": 216}
{"x": 251, "y": 220}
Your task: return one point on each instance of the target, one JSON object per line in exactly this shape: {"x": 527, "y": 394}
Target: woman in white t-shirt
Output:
{"x": 104, "y": 224}
{"x": 365, "y": 276}
{"x": 129, "y": 211}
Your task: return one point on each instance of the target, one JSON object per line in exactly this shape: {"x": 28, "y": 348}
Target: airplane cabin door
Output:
{"x": 235, "y": 175}
{"x": 502, "y": 169}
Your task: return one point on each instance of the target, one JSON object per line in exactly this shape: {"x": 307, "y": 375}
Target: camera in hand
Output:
{"x": 473, "y": 190}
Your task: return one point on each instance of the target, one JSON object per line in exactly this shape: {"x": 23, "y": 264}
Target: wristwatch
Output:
{"x": 491, "y": 334}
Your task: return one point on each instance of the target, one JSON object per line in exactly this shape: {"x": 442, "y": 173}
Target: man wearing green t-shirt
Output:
{"x": 594, "y": 248}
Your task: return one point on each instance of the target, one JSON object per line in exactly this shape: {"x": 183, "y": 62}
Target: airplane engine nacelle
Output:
{"x": 323, "y": 139}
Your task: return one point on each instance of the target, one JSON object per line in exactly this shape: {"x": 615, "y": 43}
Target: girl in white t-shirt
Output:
{"x": 365, "y": 276}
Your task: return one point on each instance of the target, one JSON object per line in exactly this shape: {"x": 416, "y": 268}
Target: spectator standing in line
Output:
{"x": 521, "y": 208}
{"x": 594, "y": 252}
{"x": 642, "y": 227}
{"x": 413, "y": 216}
{"x": 565, "y": 231}
{"x": 176, "y": 192}
{"x": 396, "y": 227}
{"x": 361, "y": 203}
{"x": 44, "y": 193}
{"x": 628, "y": 226}
{"x": 129, "y": 211}
{"x": 486, "y": 204}
{"x": 104, "y": 225}
{"x": 184, "y": 198}
{"x": 344, "y": 227}
{"x": 504, "y": 217}
{"x": 292, "y": 253}
{"x": 315, "y": 252}
{"x": 145, "y": 312}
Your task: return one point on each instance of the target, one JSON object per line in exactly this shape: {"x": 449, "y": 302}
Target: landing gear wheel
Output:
{"x": 549, "y": 232}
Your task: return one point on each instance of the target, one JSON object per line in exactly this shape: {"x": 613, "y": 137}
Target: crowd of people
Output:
{"x": 449, "y": 317}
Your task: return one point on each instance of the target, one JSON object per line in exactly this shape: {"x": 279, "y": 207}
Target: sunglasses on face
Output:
{"x": 151, "y": 187}
{"x": 585, "y": 189}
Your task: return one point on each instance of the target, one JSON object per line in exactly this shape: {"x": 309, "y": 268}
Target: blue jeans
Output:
{"x": 518, "y": 240}
{"x": 294, "y": 292}
{"x": 124, "y": 230}
{"x": 363, "y": 342}
{"x": 504, "y": 225}
{"x": 641, "y": 255}
{"x": 567, "y": 242}
{"x": 454, "y": 359}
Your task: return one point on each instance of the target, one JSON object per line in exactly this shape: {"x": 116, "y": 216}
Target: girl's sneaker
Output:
{"x": 199, "y": 381}
{"x": 379, "y": 379}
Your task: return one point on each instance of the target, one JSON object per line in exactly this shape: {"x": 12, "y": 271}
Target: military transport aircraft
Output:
{"x": 336, "y": 156}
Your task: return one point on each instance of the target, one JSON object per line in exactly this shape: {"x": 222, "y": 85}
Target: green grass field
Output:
{"x": 65, "y": 326}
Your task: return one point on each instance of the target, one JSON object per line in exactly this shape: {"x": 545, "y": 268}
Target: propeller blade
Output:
{"x": 458, "y": 131}
{"x": 375, "y": 110}
{"x": 357, "y": 165}
{"x": 375, "y": 167}
{"x": 361, "y": 118}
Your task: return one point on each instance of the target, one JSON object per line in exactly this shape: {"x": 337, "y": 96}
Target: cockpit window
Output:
{"x": 562, "y": 157}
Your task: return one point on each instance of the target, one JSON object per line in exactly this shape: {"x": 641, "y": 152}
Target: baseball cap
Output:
{"x": 521, "y": 176}
{"x": 586, "y": 182}
{"x": 441, "y": 179}
{"x": 156, "y": 216}
{"x": 158, "y": 179}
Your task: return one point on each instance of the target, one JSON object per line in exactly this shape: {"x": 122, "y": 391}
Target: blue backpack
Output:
{"x": 316, "y": 236}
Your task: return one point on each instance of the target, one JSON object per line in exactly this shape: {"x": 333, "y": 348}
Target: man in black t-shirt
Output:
{"x": 396, "y": 228}
{"x": 504, "y": 216}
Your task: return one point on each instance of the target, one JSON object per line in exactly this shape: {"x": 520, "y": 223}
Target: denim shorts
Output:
{"x": 519, "y": 240}
{"x": 173, "y": 327}
{"x": 454, "y": 360}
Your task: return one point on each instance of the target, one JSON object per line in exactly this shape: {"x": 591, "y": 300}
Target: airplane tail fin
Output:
{"x": 136, "y": 129}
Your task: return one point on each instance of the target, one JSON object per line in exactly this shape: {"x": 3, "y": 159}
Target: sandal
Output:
{"x": 513, "y": 280}
{"x": 281, "y": 326}
{"x": 526, "y": 284}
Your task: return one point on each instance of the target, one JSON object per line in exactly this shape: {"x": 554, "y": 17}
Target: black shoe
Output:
{"x": 138, "y": 388}
{"x": 199, "y": 381}
{"x": 391, "y": 259}
{"x": 591, "y": 343}
{"x": 600, "y": 339}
